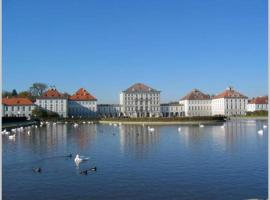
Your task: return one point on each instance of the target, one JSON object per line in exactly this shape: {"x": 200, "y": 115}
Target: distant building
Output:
{"x": 258, "y": 104}
{"x": 140, "y": 100}
{"x": 229, "y": 103}
{"x": 172, "y": 109}
{"x": 196, "y": 103}
{"x": 17, "y": 107}
{"x": 54, "y": 101}
{"x": 109, "y": 110}
{"x": 82, "y": 104}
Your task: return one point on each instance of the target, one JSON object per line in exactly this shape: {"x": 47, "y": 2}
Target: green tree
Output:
{"x": 14, "y": 93}
{"x": 41, "y": 113}
{"x": 24, "y": 94}
{"x": 6, "y": 94}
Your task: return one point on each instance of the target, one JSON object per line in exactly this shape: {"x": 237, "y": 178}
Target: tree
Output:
{"x": 24, "y": 94}
{"x": 14, "y": 93}
{"x": 37, "y": 89}
{"x": 41, "y": 113}
{"x": 6, "y": 94}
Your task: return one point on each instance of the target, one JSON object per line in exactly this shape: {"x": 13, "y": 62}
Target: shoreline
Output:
{"x": 162, "y": 123}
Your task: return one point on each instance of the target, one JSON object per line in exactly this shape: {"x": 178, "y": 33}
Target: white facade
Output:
{"x": 140, "y": 101}
{"x": 17, "y": 107}
{"x": 229, "y": 103}
{"x": 172, "y": 110}
{"x": 53, "y": 101}
{"x": 196, "y": 103}
{"x": 257, "y": 107}
{"x": 258, "y": 104}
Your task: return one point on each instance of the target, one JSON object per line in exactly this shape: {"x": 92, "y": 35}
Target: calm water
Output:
{"x": 197, "y": 163}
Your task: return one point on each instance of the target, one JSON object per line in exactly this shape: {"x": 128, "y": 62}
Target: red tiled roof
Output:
{"x": 259, "y": 100}
{"x": 82, "y": 95}
{"x": 196, "y": 95}
{"x": 230, "y": 93}
{"x": 52, "y": 94}
{"x": 13, "y": 101}
{"x": 140, "y": 87}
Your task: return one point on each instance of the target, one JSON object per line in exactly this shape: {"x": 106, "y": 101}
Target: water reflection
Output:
{"x": 138, "y": 139}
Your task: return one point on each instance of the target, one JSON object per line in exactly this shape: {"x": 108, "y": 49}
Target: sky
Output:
{"x": 106, "y": 46}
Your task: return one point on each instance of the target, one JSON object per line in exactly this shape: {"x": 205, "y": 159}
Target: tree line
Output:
{"x": 34, "y": 91}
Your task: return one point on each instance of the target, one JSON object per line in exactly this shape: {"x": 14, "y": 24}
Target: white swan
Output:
{"x": 83, "y": 122}
{"x": 201, "y": 125}
{"x": 151, "y": 129}
{"x": 260, "y": 132}
{"x": 115, "y": 124}
{"x": 79, "y": 159}
{"x": 222, "y": 126}
{"x": 264, "y": 126}
{"x": 28, "y": 132}
{"x": 179, "y": 129}
{"x": 75, "y": 125}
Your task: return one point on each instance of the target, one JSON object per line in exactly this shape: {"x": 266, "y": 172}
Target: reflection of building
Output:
{"x": 173, "y": 109}
{"x": 229, "y": 102}
{"x": 140, "y": 100}
{"x": 196, "y": 103}
{"x": 109, "y": 110}
{"x": 258, "y": 104}
{"x": 15, "y": 106}
{"x": 83, "y": 104}
{"x": 54, "y": 101}
{"x": 138, "y": 139}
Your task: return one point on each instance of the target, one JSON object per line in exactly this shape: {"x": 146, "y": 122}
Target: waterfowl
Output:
{"x": 28, "y": 132}
{"x": 179, "y": 129}
{"x": 85, "y": 172}
{"x": 93, "y": 169}
{"x": 260, "y": 132}
{"x": 151, "y": 129}
{"x": 264, "y": 126}
{"x": 79, "y": 159}
{"x": 38, "y": 169}
{"x": 201, "y": 125}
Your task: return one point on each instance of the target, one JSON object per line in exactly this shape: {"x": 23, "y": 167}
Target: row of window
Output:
{"x": 18, "y": 108}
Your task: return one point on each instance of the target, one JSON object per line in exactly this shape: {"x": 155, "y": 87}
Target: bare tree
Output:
{"x": 37, "y": 89}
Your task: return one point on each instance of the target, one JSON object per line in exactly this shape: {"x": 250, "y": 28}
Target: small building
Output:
{"x": 140, "y": 100}
{"x": 196, "y": 103}
{"x": 229, "y": 103}
{"x": 258, "y": 104}
{"x": 54, "y": 101}
{"x": 109, "y": 110}
{"x": 82, "y": 104}
{"x": 17, "y": 107}
{"x": 172, "y": 109}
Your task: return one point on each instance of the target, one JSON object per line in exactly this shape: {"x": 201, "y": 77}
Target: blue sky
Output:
{"x": 106, "y": 46}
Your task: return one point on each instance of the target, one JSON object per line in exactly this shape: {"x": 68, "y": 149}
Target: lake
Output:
{"x": 132, "y": 163}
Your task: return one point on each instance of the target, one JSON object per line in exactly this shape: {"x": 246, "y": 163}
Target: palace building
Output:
{"x": 196, "y": 103}
{"x": 140, "y": 100}
{"x": 54, "y": 101}
{"x": 258, "y": 104}
{"x": 229, "y": 103}
{"x": 82, "y": 104}
{"x": 17, "y": 107}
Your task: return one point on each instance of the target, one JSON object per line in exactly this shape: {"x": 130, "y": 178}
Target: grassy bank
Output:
{"x": 169, "y": 121}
